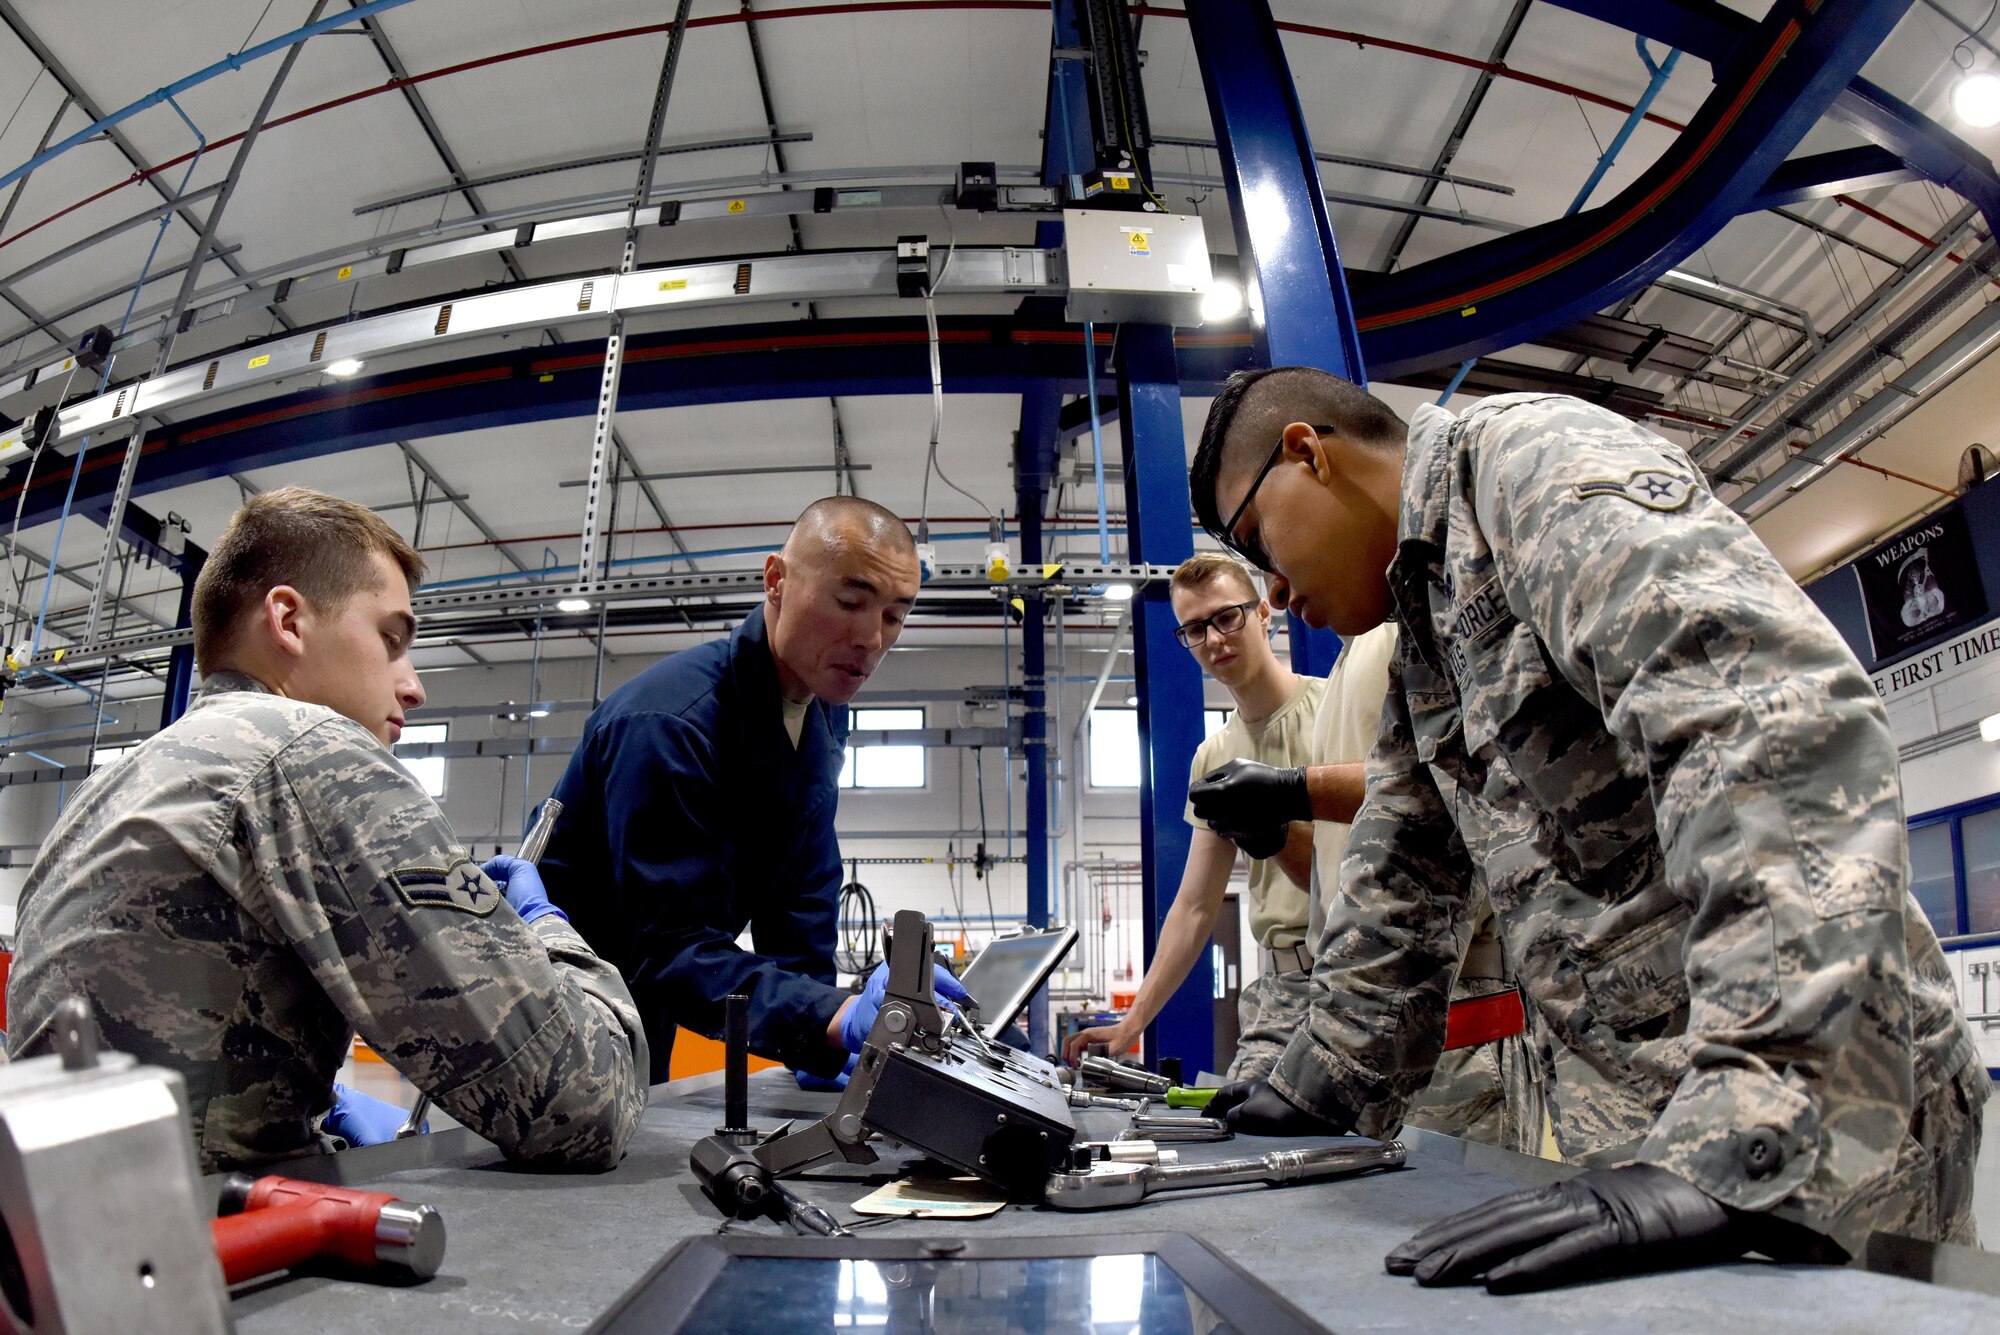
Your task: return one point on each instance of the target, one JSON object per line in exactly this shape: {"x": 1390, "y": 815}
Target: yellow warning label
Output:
{"x": 673, "y": 284}
{"x": 1141, "y": 243}
{"x": 346, "y": 272}
{"x": 1121, "y": 183}
{"x": 736, "y": 206}
{"x": 1469, "y": 310}
{"x": 256, "y": 362}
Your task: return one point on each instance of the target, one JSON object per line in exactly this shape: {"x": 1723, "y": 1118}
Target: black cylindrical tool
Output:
{"x": 736, "y": 1072}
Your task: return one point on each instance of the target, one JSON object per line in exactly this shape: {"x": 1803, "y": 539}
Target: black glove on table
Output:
{"x": 1244, "y": 794}
{"x": 1255, "y": 1109}
{"x": 1602, "y": 1222}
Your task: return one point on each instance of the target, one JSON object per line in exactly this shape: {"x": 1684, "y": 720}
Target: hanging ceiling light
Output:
{"x": 1975, "y": 99}
{"x": 343, "y": 368}
{"x": 573, "y": 605}
{"x": 1118, "y": 593}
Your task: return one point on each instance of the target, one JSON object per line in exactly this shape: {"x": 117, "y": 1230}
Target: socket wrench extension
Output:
{"x": 1158, "y": 1126}
{"x": 1117, "y": 1075}
{"x": 1107, "y": 1185}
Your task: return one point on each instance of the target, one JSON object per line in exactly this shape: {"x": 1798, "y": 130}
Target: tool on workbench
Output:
{"x": 1181, "y": 1096}
{"x": 1122, "y": 1150}
{"x": 736, "y": 1127}
{"x": 1103, "y": 1185}
{"x": 1157, "y": 1126}
{"x": 532, "y": 847}
{"x": 1117, "y": 1075}
{"x": 1083, "y": 1099}
{"x": 268, "y": 1224}
{"x": 919, "y": 1080}
{"x": 101, "y": 1205}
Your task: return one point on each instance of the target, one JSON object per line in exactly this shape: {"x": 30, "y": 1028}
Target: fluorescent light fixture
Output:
{"x": 573, "y": 605}
{"x": 343, "y": 368}
{"x": 1989, "y": 727}
{"x": 1131, "y": 699}
{"x": 538, "y": 713}
{"x": 1222, "y": 301}
{"x": 1975, "y": 100}
{"x": 1118, "y": 593}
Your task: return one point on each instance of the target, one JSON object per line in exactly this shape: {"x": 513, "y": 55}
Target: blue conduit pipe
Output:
{"x": 1659, "y": 73}
{"x": 167, "y": 94}
{"x": 1096, "y": 441}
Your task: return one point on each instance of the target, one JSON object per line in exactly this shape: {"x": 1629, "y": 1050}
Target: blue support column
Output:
{"x": 1284, "y": 234}
{"x": 1034, "y": 458}
{"x": 1160, "y": 530}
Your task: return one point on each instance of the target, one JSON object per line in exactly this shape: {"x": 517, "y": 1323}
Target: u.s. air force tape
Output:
{"x": 459, "y": 886}
{"x": 1654, "y": 488}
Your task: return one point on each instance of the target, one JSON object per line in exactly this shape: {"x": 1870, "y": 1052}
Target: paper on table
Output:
{"x": 934, "y": 1198}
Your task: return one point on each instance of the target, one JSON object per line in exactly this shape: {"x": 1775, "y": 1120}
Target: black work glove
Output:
{"x": 1255, "y": 1109}
{"x": 1600, "y": 1223}
{"x": 1244, "y": 794}
{"x": 1258, "y": 844}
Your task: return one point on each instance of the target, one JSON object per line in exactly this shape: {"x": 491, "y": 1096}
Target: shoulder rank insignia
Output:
{"x": 459, "y": 886}
{"x": 1654, "y": 488}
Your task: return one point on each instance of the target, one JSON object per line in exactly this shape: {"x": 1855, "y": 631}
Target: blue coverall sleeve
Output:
{"x": 669, "y": 837}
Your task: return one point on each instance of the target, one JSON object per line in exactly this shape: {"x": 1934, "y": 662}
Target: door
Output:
{"x": 1226, "y": 951}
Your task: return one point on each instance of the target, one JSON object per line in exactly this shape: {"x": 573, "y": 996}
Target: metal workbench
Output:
{"x": 534, "y": 1251}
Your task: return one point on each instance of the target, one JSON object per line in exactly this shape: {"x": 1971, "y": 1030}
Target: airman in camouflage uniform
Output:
{"x": 251, "y": 886}
{"x": 1681, "y": 790}
{"x": 259, "y": 881}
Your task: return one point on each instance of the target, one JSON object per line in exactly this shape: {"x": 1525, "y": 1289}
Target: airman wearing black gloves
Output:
{"x": 1681, "y": 789}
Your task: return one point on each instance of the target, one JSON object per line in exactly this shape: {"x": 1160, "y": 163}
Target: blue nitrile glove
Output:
{"x": 360, "y": 1119}
{"x": 860, "y": 1017}
{"x": 522, "y": 885}
{"x": 819, "y": 1084}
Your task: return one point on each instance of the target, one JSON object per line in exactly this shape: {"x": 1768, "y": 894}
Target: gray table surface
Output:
{"x": 533, "y": 1251}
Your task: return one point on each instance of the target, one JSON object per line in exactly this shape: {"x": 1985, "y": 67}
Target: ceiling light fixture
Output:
{"x": 1975, "y": 100}
{"x": 344, "y": 368}
{"x": 1118, "y": 593}
{"x": 1989, "y": 727}
{"x": 538, "y": 713}
{"x": 573, "y": 605}
{"x": 1222, "y": 301}
{"x": 1131, "y": 699}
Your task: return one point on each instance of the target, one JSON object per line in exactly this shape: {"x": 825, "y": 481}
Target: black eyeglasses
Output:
{"x": 1254, "y": 552}
{"x": 1226, "y": 622}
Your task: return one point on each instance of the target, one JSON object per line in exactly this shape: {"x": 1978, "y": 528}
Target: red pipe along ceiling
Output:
{"x": 1360, "y": 39}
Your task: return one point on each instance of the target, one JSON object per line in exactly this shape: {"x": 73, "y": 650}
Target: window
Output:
{"x": 1114, "y": 744}
{"x": 104, "y": 755}
{"x": 429, "y": 770}
{"x": 882, "y": 766}
{"x": 1931, "y": 879}
{"x": 1980, "y": 835}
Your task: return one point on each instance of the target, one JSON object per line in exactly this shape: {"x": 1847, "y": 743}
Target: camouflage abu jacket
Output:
{"x": 1682, "y": 792}
{"x": 260, "y": 880}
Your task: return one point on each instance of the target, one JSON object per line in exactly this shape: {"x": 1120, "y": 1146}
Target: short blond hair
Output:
{"x": 1204, "y": 568}
{"x": 316, "y": 543}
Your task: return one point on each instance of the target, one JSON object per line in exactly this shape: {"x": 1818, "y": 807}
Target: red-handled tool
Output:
{"x": 269, "y": 1224}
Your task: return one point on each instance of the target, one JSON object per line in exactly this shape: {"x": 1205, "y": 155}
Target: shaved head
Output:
{"x": 837, "y": 522}
{"x": 836, "y": 597}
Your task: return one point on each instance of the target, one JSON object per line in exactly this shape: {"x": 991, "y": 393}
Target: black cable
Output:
{"x": 979, "y": 761}
{"x": 855, "y": 922}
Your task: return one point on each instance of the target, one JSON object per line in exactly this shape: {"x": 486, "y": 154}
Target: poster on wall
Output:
{"x": 1921, "y": 583}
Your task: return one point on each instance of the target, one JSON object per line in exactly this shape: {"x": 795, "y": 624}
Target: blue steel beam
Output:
{"x": 1840, "y": 172}
{"x": 1169, "y": 682}
{"x": 1712, "y": 33}
{"x": 1784, "y": 76}
{"x": 1284, "y": 232}
{"x": 1921, "y": 142}
{"x": 735, "y": 364}
{"x": 1702, "y": 28}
